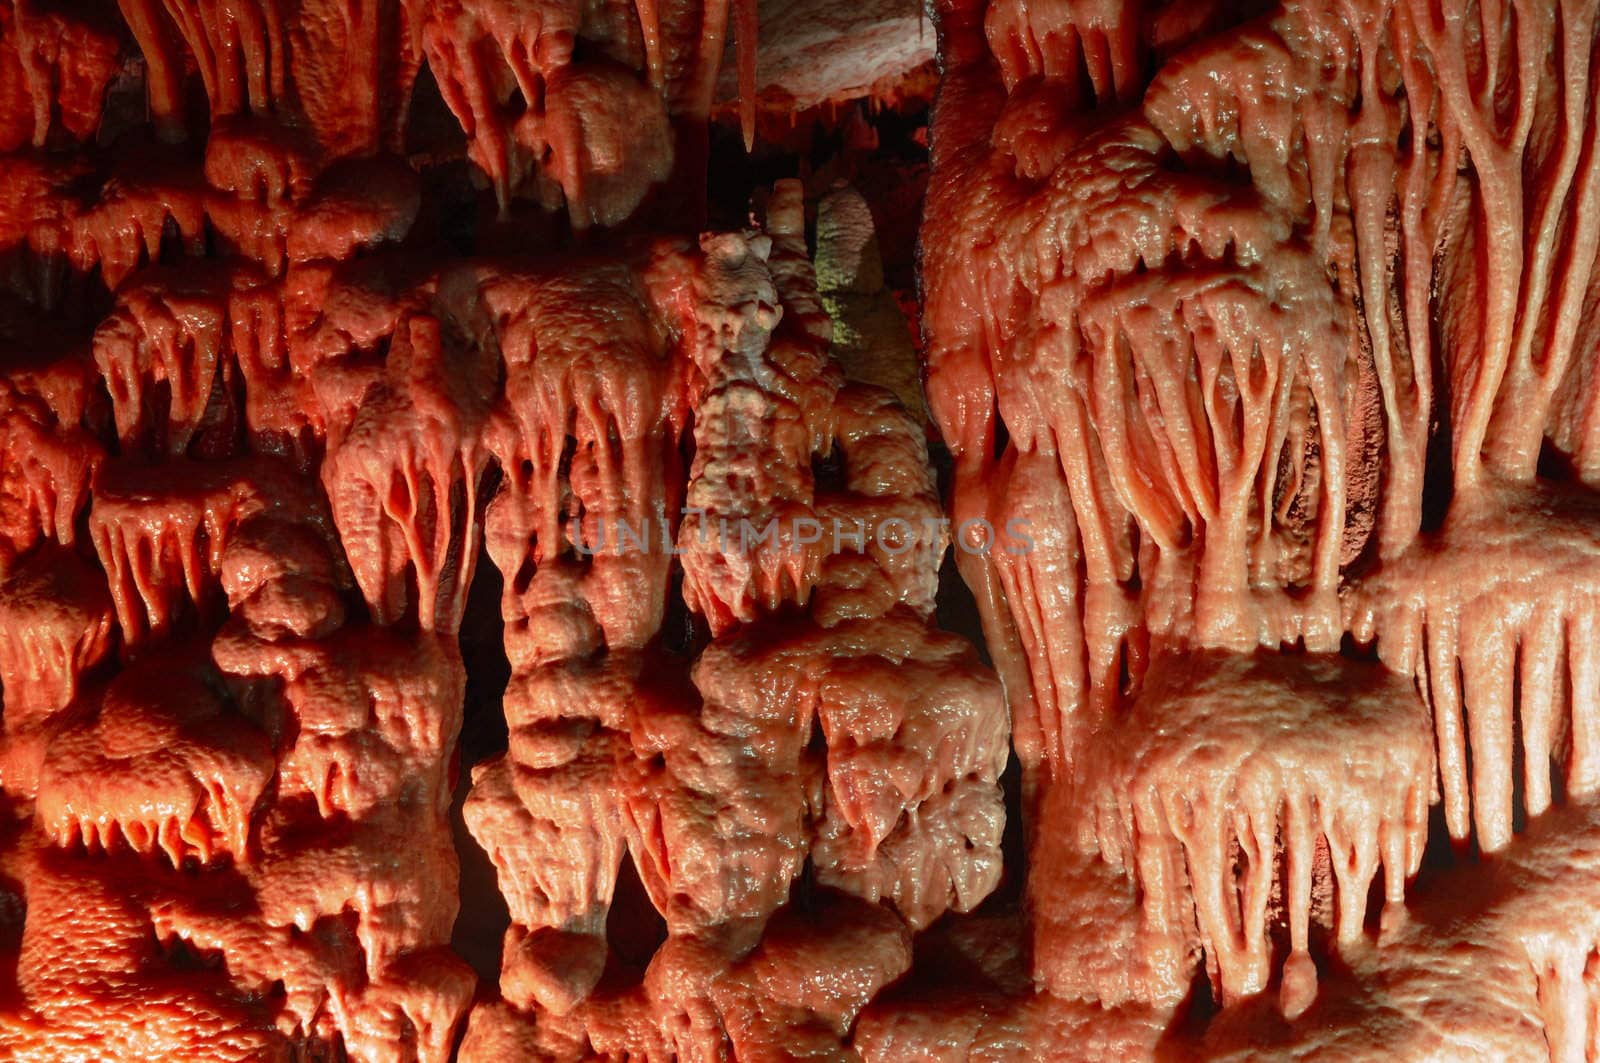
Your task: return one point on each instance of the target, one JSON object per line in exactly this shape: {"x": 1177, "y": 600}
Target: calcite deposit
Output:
{"x": 270, "y": 417}
{"x": 511, "y": 550}
{"x": 1277, "y": 320}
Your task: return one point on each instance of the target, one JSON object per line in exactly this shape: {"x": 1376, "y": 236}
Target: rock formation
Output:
{"x": 475, "y": 511}
{"x": 1274, "y": 320}
{"x": 262, "y": 414}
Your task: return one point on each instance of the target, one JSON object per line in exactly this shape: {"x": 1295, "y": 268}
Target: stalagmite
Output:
{"x": 713, "y": 783}
{"x": 871, "y": 337}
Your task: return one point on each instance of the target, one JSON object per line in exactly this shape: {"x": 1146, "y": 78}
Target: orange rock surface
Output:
{"x": 482, "y": 553}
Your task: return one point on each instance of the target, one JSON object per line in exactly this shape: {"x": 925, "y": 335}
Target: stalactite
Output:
{"x": 240, "y": 49}
{"x": 403, "y": 479}
{"x": 1561, "y": 225}
{"x": 467, "y": 89}
{"x": 123, "y": 230}
{"x": 589, "y": 109}
{"x": 746, "y": 35}
{"x": 163, "y": 76}
{"x": 367, "y": 48}
{"x": 649, "y": 12}
{"x": 1276, "y": 96}
{"x": 1207, "y": 452}
{"x": 165, "y": 341}
{"x": 280, "y": 407}
{"x": 1165, "y": 446}
{"x": 538, "y": 118}
{"x": 1502, "y": 655}
{"x": 706, "y": 42}
{"x": 587, "y": 437}
{"x": 1488, "y": 66}
{"x": 1082, "y": 520}
{"x": 49, "y": 462}
{"x": 1071, "y": 665}
{"x": 1520, "y": 986}
{"x": 1395, "y": 287}
{"x": 1069, "y": 41}
{"x": 161, "y": 531}
{"x": 187, "y": 774}
{"x": 66, "y": 60}
{"x": 1274, "y": 754}
{"x": 55, "y": 626}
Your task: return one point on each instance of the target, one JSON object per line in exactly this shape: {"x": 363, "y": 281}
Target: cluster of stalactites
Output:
{"x": 160, "y": 766}
{"x": 161, "y": 531}
{"x": 1297, "y": 754}
{"x": 1195, "y": 449}
{"x": 55, "y": 65}
{"x": 243, "y": 806}
{"x": 1261, "y": 463}
{"x": 548, "y": 93}
{"x": 567, "y": 105}
{"x": 218, "y": 364}
{"x": 1508, "y": 255}
{"x": 586, "y": 438}
{"x": 162, "y": 338}
{"x": 56, "y": 625}
{"x": 1224, "y": 319}
{"x": 1507, "y": 662}
{"x": 1477, "y": 88}
{"x": 543, "y": 124}
{"x": 403, "y": 478}
{"x": 1216, "y": 395}
{"x": 340, "y": 70}
{"x": 50, "y": 456}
